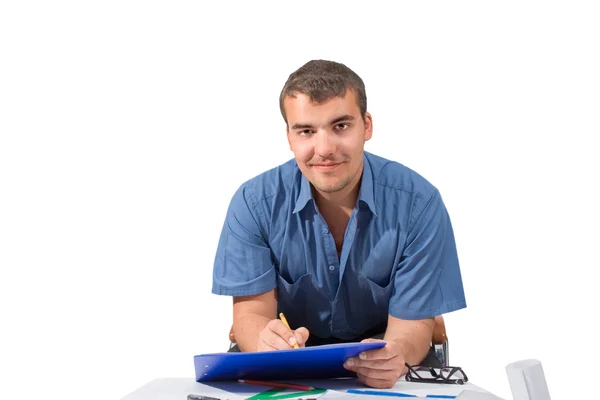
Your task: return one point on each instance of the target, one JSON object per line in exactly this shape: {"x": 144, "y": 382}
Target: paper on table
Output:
{"x": 337, "y": 388}
{"x": 472, "y": 395}
{"x": 402, "y": 386}
{"x": 226, "y": 390}
{"x": 417, "y": 389}
{"x": 334, "y": 395}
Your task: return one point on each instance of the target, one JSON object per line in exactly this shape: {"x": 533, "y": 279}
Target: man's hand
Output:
{"x": 379, "y": 368}
{"x": 277, "y": 336}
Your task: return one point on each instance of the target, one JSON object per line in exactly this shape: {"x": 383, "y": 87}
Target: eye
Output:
{"x": 341, "y": 126}
{"x": 304, "y": 132}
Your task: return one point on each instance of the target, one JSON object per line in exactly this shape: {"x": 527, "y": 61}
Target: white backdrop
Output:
{"x": 127, "y": 126}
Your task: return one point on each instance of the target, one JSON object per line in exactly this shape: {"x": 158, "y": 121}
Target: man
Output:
{"x": 348, "y": 245}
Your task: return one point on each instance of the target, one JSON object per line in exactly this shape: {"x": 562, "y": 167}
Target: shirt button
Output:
{"x": 331, "y": 268}
{"x": 326, "y": 231}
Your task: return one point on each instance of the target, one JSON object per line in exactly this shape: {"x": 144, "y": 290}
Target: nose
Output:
{"x": 325, "y": 143}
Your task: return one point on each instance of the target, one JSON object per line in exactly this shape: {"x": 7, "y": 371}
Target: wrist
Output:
{"x": 403, "y": 348}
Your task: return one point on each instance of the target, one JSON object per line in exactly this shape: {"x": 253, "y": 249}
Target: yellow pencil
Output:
{"x": 282, "y": 317}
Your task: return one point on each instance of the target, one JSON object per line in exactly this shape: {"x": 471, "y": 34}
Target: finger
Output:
{"x": 386, "y": 374}
{"x": 302, "y": 335}
{"x": 383, "y": 353}
{"x": 376, "y": 354}
{"x": 278, "y": 327}
{"x": 350, "y": 364}
{"x": 268, "y": 340}
{"x": 389, "y": 364}
{"x": 371, "y": 340}
{"x": 376, "y": 382}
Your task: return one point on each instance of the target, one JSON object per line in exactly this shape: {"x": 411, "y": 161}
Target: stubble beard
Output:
{"x": 335, "y": 186}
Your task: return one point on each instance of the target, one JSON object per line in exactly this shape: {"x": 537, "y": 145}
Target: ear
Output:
{"x": 368, "y": 126}
{"x": 287, "y": 132}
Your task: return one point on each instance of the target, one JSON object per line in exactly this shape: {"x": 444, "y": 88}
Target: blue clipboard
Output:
{"x": 315, "y": 362}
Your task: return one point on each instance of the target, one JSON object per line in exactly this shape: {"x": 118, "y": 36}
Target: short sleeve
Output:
{"x": 428, "y": 281}
{"x": 243, "y": 263}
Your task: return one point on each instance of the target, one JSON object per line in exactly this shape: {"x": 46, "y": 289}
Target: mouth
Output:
{"x": 326, "y": 166}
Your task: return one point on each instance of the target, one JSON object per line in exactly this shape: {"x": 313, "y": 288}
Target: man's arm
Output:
{"x": 408, "y": 341}
{"x": 251, "y": 314}
{"x": 257, "y": 328}
{"x": 412, "y": 336}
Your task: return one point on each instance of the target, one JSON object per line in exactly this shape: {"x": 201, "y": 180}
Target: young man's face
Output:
{"x": 328, "y": 139}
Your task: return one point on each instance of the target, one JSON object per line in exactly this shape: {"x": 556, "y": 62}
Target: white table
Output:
{"x": 179, "y": 388}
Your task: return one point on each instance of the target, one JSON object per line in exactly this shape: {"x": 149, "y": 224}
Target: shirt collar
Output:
{"x": 305, "y": 194}
{"x": 366, "y": 186}
{"x": 365, "y": 194}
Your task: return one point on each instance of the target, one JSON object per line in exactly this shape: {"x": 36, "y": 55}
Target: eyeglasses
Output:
{"x": 417, "y": 373}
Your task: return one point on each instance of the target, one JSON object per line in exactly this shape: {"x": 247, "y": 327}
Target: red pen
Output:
{"x": 277, "y": 384}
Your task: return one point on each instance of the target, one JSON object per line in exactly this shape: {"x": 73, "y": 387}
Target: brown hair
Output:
{"x": 322, "y": 80}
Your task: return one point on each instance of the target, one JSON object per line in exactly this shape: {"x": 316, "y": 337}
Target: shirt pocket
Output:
{"x": 304, "y": 303}
{"x": 368, "y": 296}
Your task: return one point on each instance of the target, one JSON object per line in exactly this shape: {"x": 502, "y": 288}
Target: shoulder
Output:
{"x": 270, "y": 183}
{"x": 391, "y": 176}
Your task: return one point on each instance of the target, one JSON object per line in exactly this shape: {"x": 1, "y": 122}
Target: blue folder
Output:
{"x": 315, "y": 362}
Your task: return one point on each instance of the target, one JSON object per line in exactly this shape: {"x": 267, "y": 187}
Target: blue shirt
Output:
{"x": 398, "y": 256}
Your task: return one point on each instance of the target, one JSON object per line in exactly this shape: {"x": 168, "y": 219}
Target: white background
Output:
{"x": 127, "y": 126}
